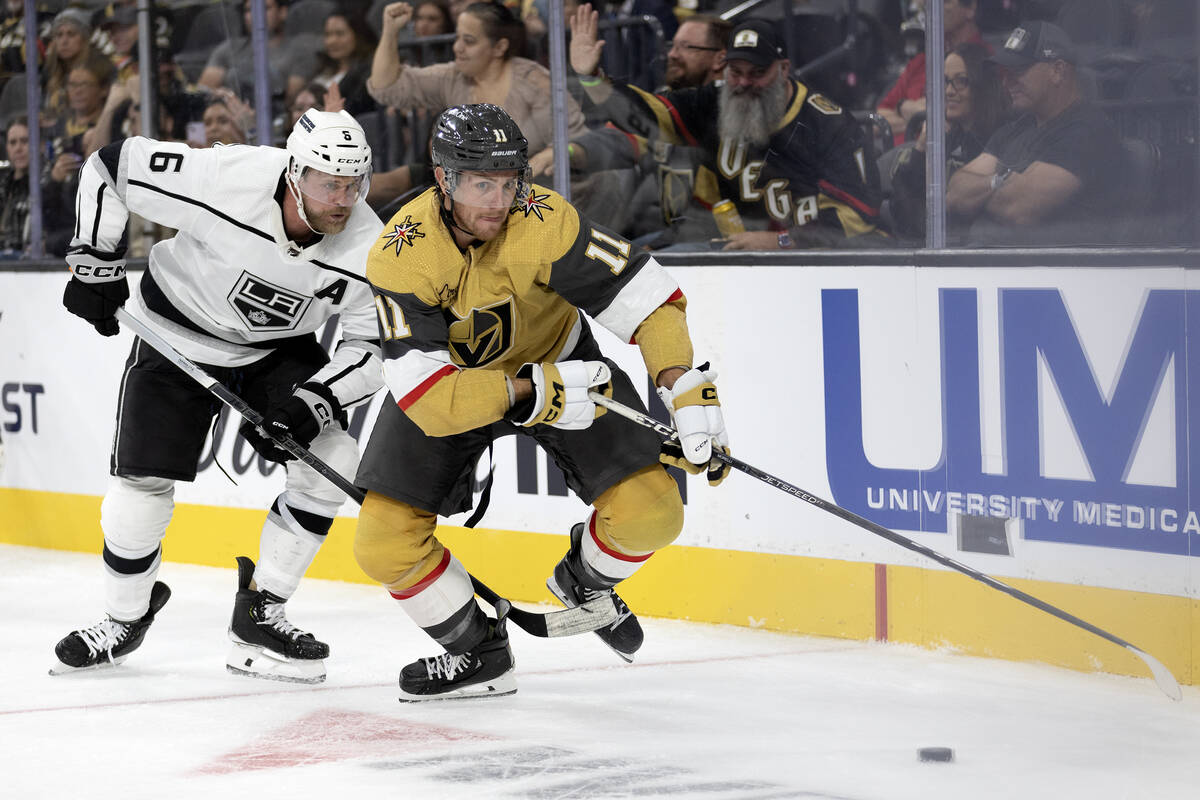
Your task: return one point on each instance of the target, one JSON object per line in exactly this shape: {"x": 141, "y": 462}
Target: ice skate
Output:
{"x": 108, "y": 642}
{"x": 624, "y": 635}
{"x": 485, "y": 671}
{"x": 265, "y": 644}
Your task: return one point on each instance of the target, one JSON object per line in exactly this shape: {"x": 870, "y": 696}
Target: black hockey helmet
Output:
{"x": 480, "y": 137}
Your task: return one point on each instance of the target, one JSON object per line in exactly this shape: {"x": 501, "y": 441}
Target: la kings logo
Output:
{"x": 265, "y": 306}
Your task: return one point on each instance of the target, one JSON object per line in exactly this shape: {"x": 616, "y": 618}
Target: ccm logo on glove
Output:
{"x": 100, "y": 272}
{"x": 560, "y": 394}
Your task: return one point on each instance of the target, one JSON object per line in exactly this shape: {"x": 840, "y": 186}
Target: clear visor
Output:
{"x": 488, "y": 189}
{"x": 333, "y": 190}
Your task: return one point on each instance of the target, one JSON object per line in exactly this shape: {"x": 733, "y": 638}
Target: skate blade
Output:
{"x": 552, "y": 585}
{"x": 258, "y": 662}
{"x": 502, "y": 686}
{"x": 59, "y": 668}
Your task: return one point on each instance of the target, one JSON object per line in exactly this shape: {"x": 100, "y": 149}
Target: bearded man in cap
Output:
{"x": 793, "y": 163}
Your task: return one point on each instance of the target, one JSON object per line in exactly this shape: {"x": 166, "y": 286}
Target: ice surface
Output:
{"x": 705, "y": 712}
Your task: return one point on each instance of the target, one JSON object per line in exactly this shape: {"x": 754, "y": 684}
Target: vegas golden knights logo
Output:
{"x": 483, "y": 336}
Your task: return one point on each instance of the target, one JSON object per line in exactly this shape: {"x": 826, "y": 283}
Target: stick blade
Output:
{"x": 583, "y": 618}
{"x": 1162, "y": 676}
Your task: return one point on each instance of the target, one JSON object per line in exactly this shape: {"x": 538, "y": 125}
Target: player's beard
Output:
{"x": 750, "y": 116}
{"x": 322, "y": 222}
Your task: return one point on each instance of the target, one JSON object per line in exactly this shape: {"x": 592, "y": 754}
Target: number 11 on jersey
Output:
{"x": 391, "y": 319}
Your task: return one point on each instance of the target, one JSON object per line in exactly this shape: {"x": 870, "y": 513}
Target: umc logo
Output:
{"x": 1111, "y": 504}
{"x": 265, "y": 306}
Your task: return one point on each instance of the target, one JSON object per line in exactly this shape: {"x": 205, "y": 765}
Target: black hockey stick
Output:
{"x": 569, "y": 621}
{"x": 1162, "y": 676}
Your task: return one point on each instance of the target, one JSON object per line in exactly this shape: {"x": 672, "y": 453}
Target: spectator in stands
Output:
{"x": 430, "y": 18}
{"x": 227, "y": 120}
{"x": 14, "y": 190}
{"x": 635, "y": 50}
{"x": 1054, "y": 174}
{"x": 311, "y": 96}
{"x": 122, "y": 30}
{"x": 12, "y": 39}
{"x": 976, "y": 105}
{"x": 697, "y": 53}
{"x": 906, "y": 98}
{"x": 792, "y": 161}
{"x": 290, "y": 62}
{"x": 87, "y": 90}
{"x": 485, "y": 69}
{"x": 69, "y": 48}
{"x": 345, "y": 60}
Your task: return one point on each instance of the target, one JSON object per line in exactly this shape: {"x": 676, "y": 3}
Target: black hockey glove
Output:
{"x": 97, "y": 288}
{"x": 310, "y": 410}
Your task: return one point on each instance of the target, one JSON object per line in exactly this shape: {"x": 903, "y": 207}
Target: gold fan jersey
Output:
{"x": 454, "y": 323}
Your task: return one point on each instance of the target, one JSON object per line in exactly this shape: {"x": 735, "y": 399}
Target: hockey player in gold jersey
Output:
{"x": 480, "y": 283}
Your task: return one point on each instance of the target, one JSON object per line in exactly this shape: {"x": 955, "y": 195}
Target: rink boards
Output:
{"x": 1032, "y": 423}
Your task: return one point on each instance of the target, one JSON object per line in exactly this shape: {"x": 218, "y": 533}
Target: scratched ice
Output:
{"x": 706, "y": 712}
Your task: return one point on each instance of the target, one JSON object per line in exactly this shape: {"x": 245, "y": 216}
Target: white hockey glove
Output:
{"x": 97, "y": 288}
{"x": 311, "y": 409}
{"x": 696, "y": 412}
{"x": 560, "y": 394}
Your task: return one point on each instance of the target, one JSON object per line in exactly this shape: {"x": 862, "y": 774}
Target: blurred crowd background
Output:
{"x": 684, "y": 134}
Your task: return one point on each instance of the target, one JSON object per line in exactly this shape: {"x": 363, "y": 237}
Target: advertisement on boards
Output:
{"x": 1031, "y": 422}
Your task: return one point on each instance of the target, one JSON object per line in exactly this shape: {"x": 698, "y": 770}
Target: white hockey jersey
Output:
{"x": 231, "y": 283}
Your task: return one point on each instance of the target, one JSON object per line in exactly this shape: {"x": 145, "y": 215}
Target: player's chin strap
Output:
{"x": 1162, "y": 676}
{"x": 448, "y": 213}
{"x": 581, "y": 619}
{"x": 298, "y": 196}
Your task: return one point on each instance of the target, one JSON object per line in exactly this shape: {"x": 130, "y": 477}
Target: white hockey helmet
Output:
{"x": 333, "y": 143}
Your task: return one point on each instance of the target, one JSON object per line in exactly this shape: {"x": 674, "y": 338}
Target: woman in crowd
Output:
{"x": 69, "y": 48}
{"x": 487, "y": 68}
{"x": 346, "y": 60}
{"x": 430, "y": 18}
{"x": 14, "y": 190}
{"x": 87, "y": 90}
{"x": 976, "y": 104}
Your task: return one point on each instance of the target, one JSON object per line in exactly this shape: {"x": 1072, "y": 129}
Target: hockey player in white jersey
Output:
{"x": 271, "y": 243}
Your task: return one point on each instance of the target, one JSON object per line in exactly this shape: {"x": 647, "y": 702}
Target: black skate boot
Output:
{"x": 485, "y": 671}
{"x": 265, "y": 644}
{"x": 574, "y": 583}
{"x": 109, "y": 642}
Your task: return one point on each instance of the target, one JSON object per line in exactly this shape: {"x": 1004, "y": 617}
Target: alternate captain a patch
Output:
{"x": 532, "y": 204}
{"x": 404, "y": 233}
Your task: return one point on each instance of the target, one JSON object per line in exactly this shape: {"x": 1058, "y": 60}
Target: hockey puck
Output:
{"x": 942, "y": 754}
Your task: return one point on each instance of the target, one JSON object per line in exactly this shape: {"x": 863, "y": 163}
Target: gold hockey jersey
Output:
{"x": 454, "y": 323}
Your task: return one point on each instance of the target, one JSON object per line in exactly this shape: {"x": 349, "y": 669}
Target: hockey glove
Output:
{"x": 97, "y": 288}
{"x": 696, "y": 412}
{"x": 310, "y": 410}
{"x": 560, "y": 394}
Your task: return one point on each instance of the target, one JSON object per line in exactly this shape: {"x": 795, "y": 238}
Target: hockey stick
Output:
{"x": 569, "y": 621}
{"x": 1162, "y": 676}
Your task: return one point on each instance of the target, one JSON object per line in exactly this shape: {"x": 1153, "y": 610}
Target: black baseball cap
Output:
{"x": 1031, "y": 42}
{"x": 756, "y": 41}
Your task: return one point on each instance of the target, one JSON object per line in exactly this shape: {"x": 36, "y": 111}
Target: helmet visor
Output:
{"x": 333, "y": 190}
{"x": 487, "y": 189}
